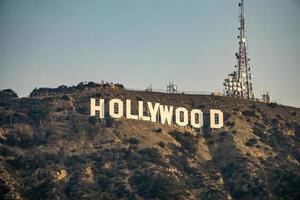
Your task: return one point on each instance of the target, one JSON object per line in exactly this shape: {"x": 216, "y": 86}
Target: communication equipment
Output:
{"x": 239, "y": 81}
{"x": 172, "y": 88}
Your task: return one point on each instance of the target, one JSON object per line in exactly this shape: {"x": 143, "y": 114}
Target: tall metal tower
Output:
{"x": 239, "y": 83}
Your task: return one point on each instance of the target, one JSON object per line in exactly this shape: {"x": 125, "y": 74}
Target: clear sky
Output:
{"x": 47, "y": 43}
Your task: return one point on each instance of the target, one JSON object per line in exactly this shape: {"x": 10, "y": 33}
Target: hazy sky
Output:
{"x": 47, "y": 43}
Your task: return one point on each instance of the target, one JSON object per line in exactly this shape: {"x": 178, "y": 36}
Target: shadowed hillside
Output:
{"x": 50, "y": 148}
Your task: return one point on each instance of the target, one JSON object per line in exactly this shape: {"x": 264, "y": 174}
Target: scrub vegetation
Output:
{"x": 50, "y": 148}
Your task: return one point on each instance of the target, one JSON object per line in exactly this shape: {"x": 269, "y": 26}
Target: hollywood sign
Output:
{"x": 156, "y": 112}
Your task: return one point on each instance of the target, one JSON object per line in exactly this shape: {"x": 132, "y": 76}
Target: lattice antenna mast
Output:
{"x": 243, "y": 60}
{"x": 238, "y": 84}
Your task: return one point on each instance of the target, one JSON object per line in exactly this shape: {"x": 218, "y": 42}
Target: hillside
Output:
{"x": 50, "y": 148}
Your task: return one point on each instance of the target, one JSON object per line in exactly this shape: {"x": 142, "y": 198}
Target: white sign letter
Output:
{"x": 141, "y": 112}
{"x": 166, "y": 114}
{"x": 116, "y": 113}
{"x": 216, "y": 119}
{"x": 193, "y": 118}
{"x": 128, "y": 110}
{"x": 153, "y": 111}
{"x": 185, "y": 116}
{"x": 97, "y": 106}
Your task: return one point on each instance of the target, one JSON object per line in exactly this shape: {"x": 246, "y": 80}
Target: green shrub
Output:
{"x": 186, "y": 140}
{"x": 162, "y": 144}
{"x": 297, "y": 130}
{"x": 65, "y": 98}
{"x": 157, "y": 130}
{"x": 275, "y": 121}
{"x": 17, "y": 118}
{"x": 38, "y": 114}
{"x": 121, "y": 191}
{"x": 251, "y": 142}
{"x": 249, "y": 113}
{"x": 230, "y": 123}
{"x": 83, "y": 110}
{"x": 8, "y": 93}
{"x": 273, "y": 105}
{"x": 109, "y": 122}
{"x": 92, "y": 120}
{"x": 229, "y": 169}
{"x": 133, "y": 141}
{"x": 23, "y": 138}
{"x": 161, "y": 186}
{"x": 151, "y": 155}
{"x": 59, "y": 109}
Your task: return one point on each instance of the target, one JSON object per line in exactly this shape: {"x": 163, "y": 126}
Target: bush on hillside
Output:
{"x": 92, "y": 120}
{"x": 151, "y": 155}
{"x": 133, "y": 141}
{"x": 109, "y": 122}
{"x": 273, "y": 105}
{"x": 23, "y": 138}
{"x": 186, "y": 140}
{"x": 297, "y": 130}
{"x": 275, "y": 121}
{"x": 251, "y": 142}
{"x": 249, "y": 113}
{"x": 160, "y": 186}
{"x": 162, "y": 144}
{"x": 157, "y": 130}
{"x": 38, "y": 114}
{"x": 65, "y": 98}
{"x": 82, "y": 110}
{"x": 8, "y": 93}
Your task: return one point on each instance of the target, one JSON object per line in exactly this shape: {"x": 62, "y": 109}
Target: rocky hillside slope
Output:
{"x": 50, "y": 148}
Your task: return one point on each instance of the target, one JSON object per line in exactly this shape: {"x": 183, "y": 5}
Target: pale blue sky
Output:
{"x": 142, "y": 42}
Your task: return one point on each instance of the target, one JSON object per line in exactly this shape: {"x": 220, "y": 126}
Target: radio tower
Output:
{"x": 238, "y": 83}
